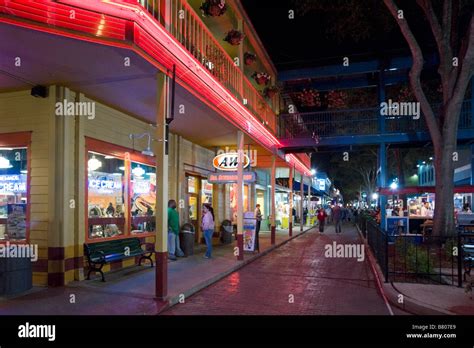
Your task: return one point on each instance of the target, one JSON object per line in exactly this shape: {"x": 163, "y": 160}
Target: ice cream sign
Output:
{"x": 228, "y": 161}
{"x": 105, "y": 184}
{"x": 12, "y": 184}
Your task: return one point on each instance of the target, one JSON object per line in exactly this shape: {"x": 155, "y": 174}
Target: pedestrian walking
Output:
{"x": 321, "y": 219}
{"x": 258, "y": 218}
{"x": 174, "y": 248}
{"x": 305, "y": 215}
{"x": 207, "y": 226}
{"x": 337, "y": 218}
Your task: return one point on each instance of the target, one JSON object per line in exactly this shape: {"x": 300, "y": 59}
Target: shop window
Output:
{"x": 106, "y": 196}
{"x": 143, "y": 198}
{"x": 13, "y": 194}
{"x": 206, "y": 192}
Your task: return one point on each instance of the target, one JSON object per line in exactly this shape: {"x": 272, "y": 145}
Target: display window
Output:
{"x": 14, "y": 190}
{"x": 233, "y": 200}
{"x": 106, "y": 196}
{"x": 206, "y": 192}
{"x": 143, "y": 197}
{"x": 121, "y": 192}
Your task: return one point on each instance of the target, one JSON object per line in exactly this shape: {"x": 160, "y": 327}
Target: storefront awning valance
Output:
{"x": 422, "y": 189}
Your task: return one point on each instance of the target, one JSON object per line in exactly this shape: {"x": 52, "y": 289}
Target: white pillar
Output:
{"x": 301, "y": 202}
{"x": 290, "y": 217}
{"x": 272, "y": 198}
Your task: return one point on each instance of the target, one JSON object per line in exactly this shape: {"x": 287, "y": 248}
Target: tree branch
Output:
{"x": 415, "y": 73}
{"x": 441, "y": 35}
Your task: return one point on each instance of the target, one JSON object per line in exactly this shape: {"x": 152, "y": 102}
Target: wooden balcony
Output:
{"x": 189, "y": 29}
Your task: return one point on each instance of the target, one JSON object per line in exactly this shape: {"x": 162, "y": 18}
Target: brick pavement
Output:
{"x": 298, "y": 270}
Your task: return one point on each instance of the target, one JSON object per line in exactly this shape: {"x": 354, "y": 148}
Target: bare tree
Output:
{"x": 455, "y": 70}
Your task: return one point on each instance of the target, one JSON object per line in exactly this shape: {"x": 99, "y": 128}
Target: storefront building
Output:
{"x": 105, "y": 169}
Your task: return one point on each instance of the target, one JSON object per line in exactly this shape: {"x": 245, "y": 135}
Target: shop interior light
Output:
{"x": 94, "y": 163}
{"x": 375, "y": 195}
{"x": 109, "y": 157}
{"x": 394, "y": 185}
{"x": 313, "y": 171}
{"x": 138, "y": 171}
{"x": 23, "y": 171}
{"x": 4, "y": 163}
{"x": 122, "y": 168}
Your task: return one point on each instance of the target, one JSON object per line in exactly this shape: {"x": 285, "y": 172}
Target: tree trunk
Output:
{"x": 444, "y": 207}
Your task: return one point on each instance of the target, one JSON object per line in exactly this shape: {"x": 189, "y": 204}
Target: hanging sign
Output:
{"x": 225, "y": 178}
{"x": 228, "y": 161}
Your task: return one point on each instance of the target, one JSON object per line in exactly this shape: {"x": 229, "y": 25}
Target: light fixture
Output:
{"x": 23, "y": 171}
{"x": 147, "y": 151}
{"x": 394, "y": 185}
{"x": 424, "y": 162}
{"x": 122, "y": 168}
{"x": 418, "y": 166}
{"x": 4, "y": 163}
{"x": 94, "y": 163}
{"x": 313, "y": 171}
{"x": 431, "y": 158}
{"x": 375, "y": 195}
{"x": 138, "y": 171}
{"x": 109, "y": 157}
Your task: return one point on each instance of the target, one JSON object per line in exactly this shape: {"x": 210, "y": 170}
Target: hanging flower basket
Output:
{"x": 337, "y": 100}
{"x": 270, "y": 92}
{"x": 234, "y": 37}
{"x": 309, "y": 98}
{"x": 213, "y": 8}
{"x": 249, "y": 58}
{"x": 261, "y": 78}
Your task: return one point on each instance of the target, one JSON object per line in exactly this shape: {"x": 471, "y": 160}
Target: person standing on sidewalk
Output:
{"x": 174, "y": 248}
{"x": 321, "y": 219}
{"x": 337, "y": 218}
{"x": 207, "y": 226}
{"x": 258, "y": 218}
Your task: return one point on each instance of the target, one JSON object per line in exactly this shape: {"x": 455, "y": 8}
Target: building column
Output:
{"x": 382, "y": 181}
{"x": 161, "y": 239}
{"x": 240, "y": 195}
{"x": 301, "y": 202}
{"x": 272, "y": 200}
{"x": 472, "y": 166}
{"x": 290, "y": 218}
{"x": 381, "y": 99}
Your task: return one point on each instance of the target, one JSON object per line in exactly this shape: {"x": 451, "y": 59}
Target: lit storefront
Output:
{"x": 14, "y": 187}
{"x": 121, "y": 192}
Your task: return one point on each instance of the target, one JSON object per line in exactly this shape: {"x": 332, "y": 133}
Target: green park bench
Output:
{"x": 100, "y": 253}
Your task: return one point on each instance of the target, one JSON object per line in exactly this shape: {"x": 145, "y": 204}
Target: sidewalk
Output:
{"x": 130, "y": 291}
{"x": 424, "y": 299}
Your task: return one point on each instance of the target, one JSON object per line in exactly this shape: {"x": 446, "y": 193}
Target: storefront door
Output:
{"x": 194, "y": 206}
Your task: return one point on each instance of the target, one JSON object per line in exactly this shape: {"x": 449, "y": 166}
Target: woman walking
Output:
{"x": 321, "y": 219}
{"x": 207, "y": 226}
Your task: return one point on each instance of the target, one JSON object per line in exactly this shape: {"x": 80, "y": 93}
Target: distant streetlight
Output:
{"x": 375, "y": 196}
{"x": 313, "y": 171}
{"x": 394, "y": 185}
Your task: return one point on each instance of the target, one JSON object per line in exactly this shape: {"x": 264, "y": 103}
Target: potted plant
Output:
{"x": 213, "y": 8}
{"x": 234, "y": 37}
{"x": 270, "y": 92}
{"x": 261, "y": 78}
{"x": 249, "y": 58}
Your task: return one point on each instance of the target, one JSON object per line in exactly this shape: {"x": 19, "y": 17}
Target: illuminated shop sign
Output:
{"x": 223, "y": 178}
{"x": 228, "y": 161}
{"x": 103, "y": 184}
{"x": 12, "y": 184}
{"x": 321, "y": 184}
{"x": 252, "y": 154}
{"x": 141, "y": 186}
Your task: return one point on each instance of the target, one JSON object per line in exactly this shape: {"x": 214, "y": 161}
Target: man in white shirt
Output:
{"x": 425, "y": 209}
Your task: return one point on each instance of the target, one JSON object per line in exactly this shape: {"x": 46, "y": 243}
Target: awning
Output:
{"x": 387, "y": 191}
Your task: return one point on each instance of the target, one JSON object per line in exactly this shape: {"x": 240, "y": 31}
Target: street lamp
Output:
{"x": 375, "y": 196}
{"x": 394, "y": 185}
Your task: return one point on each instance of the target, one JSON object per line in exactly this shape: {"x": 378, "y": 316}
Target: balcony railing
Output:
{"x": 358, "y": 122}
{"x": 186, "y": 26}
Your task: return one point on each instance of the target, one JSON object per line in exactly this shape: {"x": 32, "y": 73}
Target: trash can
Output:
{"x": 187, "y": 239}
{"x": 16, "y": 275}
{"x": 227, "y": 231}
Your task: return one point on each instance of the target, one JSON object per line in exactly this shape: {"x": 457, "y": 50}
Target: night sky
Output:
{"x": 322, "y": 37}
